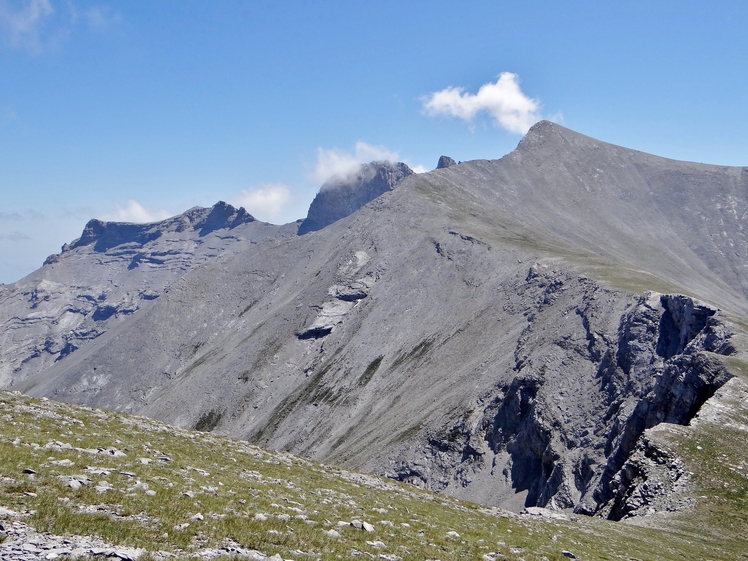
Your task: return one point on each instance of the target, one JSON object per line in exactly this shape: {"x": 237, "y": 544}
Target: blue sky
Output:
{"x": 139, "y": 110}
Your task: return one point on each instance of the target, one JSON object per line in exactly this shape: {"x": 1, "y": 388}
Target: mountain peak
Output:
{"x": 445, "y": 162}
{"x": 550, "y": 134}
{"x": 343, "y": 195}
{"x": 542, "y": 132}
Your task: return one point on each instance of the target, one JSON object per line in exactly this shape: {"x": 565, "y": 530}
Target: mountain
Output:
{"x": 541, "y": 330}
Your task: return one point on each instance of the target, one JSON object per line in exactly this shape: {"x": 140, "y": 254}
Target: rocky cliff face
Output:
{"x": 342, "y": 196}
{"x": 505, "y": 331}
{"x": 562, "y": 430}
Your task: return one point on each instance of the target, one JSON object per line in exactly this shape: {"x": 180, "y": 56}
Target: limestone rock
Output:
{"x": 334, "y": 534}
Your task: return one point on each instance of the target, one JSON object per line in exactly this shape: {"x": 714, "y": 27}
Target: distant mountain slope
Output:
{"x": 109, "y": 273}
{"x": 506, "y": 331}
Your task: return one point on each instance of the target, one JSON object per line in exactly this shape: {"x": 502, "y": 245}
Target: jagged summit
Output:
{"x": 445, "y": 162}
{"x": 105, "y": 235}
{"x": 342, "y": 196}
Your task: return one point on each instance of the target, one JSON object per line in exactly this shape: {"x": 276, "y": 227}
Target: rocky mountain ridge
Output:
{"x": 504, "y": 331}
{"x": 109, "y": 273}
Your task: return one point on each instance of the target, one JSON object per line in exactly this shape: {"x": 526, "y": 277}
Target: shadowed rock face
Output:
{"x": 342, "y": 196}
{"x": 445, "y": 162}
{"x": 505, "y": 331}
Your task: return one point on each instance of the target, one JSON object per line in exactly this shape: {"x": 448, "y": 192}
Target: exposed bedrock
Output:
{"x": 567, "y": 432}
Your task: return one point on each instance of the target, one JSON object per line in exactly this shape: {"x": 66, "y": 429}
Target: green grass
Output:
{"x": 714, "y": 451}
{"x": 167, "y": 476}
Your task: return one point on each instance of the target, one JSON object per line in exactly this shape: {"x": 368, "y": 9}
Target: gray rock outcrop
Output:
{"x": 445, "y": 162}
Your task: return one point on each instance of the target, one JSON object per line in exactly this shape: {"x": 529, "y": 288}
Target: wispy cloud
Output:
{"x": 28, "y": 216}
{"x": 335, "y": 162}
{"x": 133, "y": 211}
{"x": 20, "y": 26}
{"x": 102, "y": 17}
{"x": 503, "y": 100}
{"x": 10, "y": 217}
{"x": 38, "y": 26}
{"x": 266, "y": 202}
{"x": 15, "y": 236}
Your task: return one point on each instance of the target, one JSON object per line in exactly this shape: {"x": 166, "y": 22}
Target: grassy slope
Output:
{"x": 713, "y": 448}
{"x": 229, "y": 482}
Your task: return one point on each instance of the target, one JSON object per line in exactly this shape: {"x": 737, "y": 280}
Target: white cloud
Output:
{"x": 266, "y": 202}
{"x": 419, "y": 169}
{"x": 135, "y": 212}
{"x": 20, "y": 26}
{"x": 335, "y": 162}
{"x": 503, "y": 100}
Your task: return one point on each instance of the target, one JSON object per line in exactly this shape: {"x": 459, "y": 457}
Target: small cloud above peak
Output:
{"x": 503, "y": 100}
{"x": 335, "y": 162}
{"x": 135, "y": 212}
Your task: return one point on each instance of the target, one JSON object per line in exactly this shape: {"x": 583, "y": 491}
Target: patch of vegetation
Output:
{"x": 713, "y": 449}
{"x": 145, "y": 484}
{"x": 417, "y": 353}
{"x": 308, "y": 393}
{"x": 208, "y": 420}
{"x": 199, "y": 361}
{"x": 370, "y": 371}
